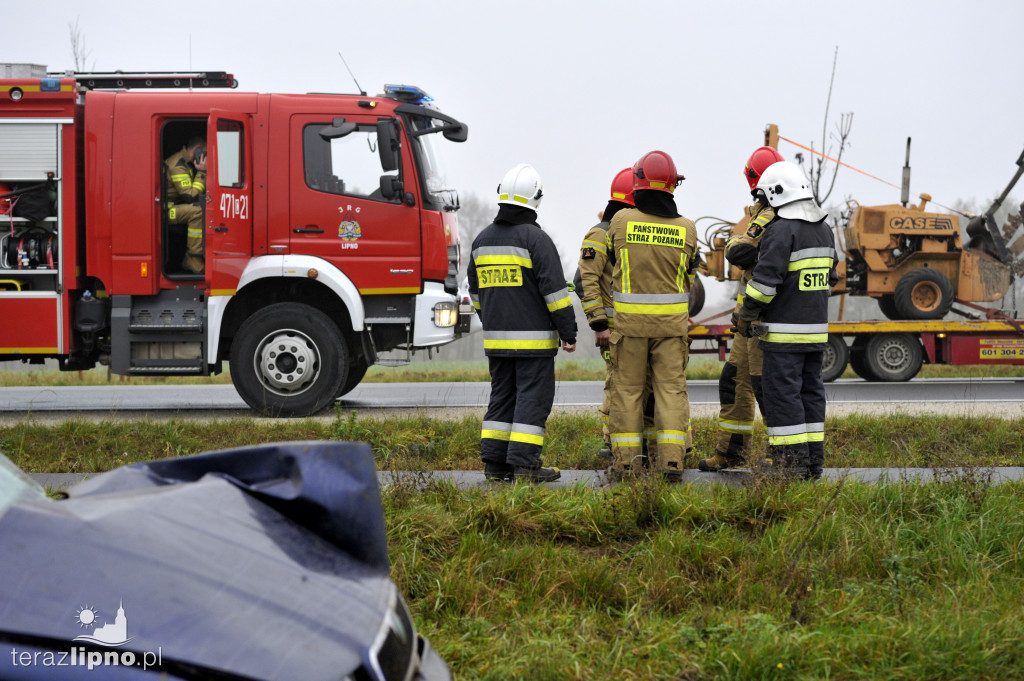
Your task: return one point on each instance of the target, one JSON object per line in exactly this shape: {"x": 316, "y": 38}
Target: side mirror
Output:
{"x": 337, "y": 129}
{"x": 387, "y": 143}
{"x": 456, "y": 134}
{"x": 390, "y": 187}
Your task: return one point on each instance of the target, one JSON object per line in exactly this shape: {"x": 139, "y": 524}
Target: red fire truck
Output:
{"x": 330, "y": 232}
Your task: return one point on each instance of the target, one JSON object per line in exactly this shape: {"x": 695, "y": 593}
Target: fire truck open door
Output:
{"x": 229, "y": 212}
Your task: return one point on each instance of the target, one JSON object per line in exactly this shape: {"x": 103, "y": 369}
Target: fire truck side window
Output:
{"x": 230, "y": 166}
{"x": 348, "y": 165}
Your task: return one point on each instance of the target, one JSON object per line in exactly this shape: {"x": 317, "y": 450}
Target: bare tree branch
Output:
{"x": 79, "y": 54}
{"x": 815, "y": 166}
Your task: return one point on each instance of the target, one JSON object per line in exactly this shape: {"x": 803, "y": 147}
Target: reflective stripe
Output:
{"x": 741, "y": 427}
{"x": 794, "y": 429}
{"x": 501, "y": 255}
{"x": 558, "y": 300}
{"x": 194, "y": 231}
{"x": 596, "y": 245}
{"x": 609, "y": 312}
{"x": 633, "y": 308}
{"x": 681, "y": 276}
{"x": 651, "y": 298}
{"x": 625, "y": 439}
{"x": 815, "y": 427}
{"x": 774, "y": 327}
{"x": 475, "y": 299}
{"x": 795, "y": 338}
{"x": 587, "y": 304}
{"x": 496, "y": 430}
{"x": 809, "y": 263}
{"x": 760, "y": 292}
{"x": 625, "y": 270}
{"x": 199, "y": 185}
{"x": 520, "y": 340}
{"x": 522, "y": 432}
{"x": 761, "y": 220}
{"x": 816, "y": 437}
{"x": 787, "y": 439}
{"x": 672, "y": 437}
{"x": 619, "y": 196}
{"x": 820, "y": 252}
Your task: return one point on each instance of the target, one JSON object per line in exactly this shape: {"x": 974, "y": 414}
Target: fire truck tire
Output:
{"x": 887, "y": 305}
{"x": 696, "y": 297}
{"x": 892, "y": 357}
{"x": 837, "y": 355}
{"x": 356, "y": 371}
{"x": 923, "y": 293}
{"x": 289, "y": 359}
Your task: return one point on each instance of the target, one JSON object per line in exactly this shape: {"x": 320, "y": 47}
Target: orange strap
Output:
{"x": 847, "y": 165}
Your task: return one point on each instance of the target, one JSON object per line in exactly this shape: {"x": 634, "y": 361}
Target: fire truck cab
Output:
{"x": 329, "y": 229}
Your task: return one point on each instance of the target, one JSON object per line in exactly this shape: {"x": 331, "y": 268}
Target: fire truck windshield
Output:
{"x": 429, "y": 157}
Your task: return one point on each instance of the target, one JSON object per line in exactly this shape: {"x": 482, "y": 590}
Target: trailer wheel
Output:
{"x": 858, "y": 360}
{"x": 887, "y": 305}
{"x": 923, "y": 293}
{"x": 837, "y": 355}
{"x": 288, "y": 359}
{"x": 356, "y": 371}
{"x": 893, "y": 357}
{"x": 696, "y": 297}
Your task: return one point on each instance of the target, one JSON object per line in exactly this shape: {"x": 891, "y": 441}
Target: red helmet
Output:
{"x": 759, "y": 162}
{"x": 656, "y": 170}
{"x": 622, "y": 187}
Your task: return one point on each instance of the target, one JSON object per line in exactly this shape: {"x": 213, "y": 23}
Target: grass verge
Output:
{"x": 423, "y": 443}
{"x": 771, "y": 581}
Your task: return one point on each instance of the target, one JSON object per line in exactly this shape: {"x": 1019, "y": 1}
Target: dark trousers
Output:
{"x": 522, "y": 392}
{"x": 794, "y": 409}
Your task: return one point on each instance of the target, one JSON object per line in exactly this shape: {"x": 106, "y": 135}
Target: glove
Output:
{"x": 741, "y": 327}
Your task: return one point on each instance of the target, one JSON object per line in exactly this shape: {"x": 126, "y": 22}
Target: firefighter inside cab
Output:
{"x": 185, "y": 191}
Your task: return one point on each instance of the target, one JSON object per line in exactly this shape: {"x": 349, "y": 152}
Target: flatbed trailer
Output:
{"x": 895, "y": 350}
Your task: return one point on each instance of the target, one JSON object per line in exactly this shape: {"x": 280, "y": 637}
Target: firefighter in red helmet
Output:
{"x": 655, "y": 259}
{"x": 739, "y": 385}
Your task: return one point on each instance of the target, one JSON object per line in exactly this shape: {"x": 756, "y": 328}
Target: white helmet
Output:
{"x": 783, "y": 185}
{"x": 521, "y": 186}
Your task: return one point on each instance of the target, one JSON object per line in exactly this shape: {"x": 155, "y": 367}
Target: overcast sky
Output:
{"x": 582, "y": 89}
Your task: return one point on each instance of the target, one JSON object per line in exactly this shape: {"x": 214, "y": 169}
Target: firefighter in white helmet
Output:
{"x": 739, "y": 386}
{"x": 518, "y": 287}
{"x": 786, "y": 306}
{"x": 655, "y": 252}
{"x": 185, "y": 172}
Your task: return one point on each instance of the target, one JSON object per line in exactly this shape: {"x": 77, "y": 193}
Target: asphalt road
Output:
{"x": 999, "y": 396}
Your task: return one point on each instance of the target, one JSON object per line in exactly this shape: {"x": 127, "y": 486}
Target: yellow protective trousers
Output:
{"x": 739, "y": 389}
{"x": 664, "y": 360}
{"x": 192, "y": 216}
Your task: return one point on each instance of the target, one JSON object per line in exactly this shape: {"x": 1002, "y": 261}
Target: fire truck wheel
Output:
{"x": 288, "y": 359}
{"x": 836, "y": 357}
{"x": 893, "y": 356}
{"x": 923, "y": 293}
{"x": 696, "y": 297}
{"x": 888, "y": 307}
{"x": 356, "y": 371}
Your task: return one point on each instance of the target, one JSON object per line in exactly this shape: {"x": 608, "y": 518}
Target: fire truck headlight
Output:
{"x": 446, "y": 314}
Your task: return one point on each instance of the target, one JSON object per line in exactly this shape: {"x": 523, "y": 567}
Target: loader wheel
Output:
{"x": 289, "y": 359}
{"x": 923, "y": 293}
{"x": 696, "y": 297}
{"x": 888, "y": 307}
{"x": 837, "y": 355}
{"x": 892, "y": 357}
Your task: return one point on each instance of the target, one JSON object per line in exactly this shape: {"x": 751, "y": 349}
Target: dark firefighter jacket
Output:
{"x": 517, "y": 285}
{"x": 789, "y": 290}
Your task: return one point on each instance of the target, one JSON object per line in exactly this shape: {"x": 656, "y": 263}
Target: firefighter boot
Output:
{"x": 788, "y": 460}
{"x": 537, "y": 474}
{"x": 720, "y": 462}
{"x": 498, "y": 472}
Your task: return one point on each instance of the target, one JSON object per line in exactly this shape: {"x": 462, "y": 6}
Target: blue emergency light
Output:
{"x": 49, "y": 85}
{"x": 408, "y": 93}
